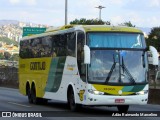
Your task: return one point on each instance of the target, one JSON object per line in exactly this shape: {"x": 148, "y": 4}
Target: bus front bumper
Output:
{"x": 115, "y": 100}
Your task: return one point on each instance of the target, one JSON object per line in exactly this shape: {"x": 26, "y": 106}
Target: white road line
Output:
{"x": 19, "y": 104}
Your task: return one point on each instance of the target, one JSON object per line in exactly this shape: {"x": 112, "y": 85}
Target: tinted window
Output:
{"x": 24, "y": 51}
{"x": 116, "y": 40}
{"x": 46, "y": 46}
{"x": 80, "y": 55}
{"x": 35, "y": 48}
{"x": 59, "y": 45}
{"x": 71, "y": 41}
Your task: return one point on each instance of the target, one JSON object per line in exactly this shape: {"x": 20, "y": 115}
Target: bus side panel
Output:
{"x": 35, "y": 71}
{"x": 55, "y": 74}
{"x": 22, "y": 76}
{"x": 69, "y": 76}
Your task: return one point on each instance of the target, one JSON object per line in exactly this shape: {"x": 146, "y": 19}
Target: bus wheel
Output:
{"x": 33, "y": 94}
{"x": 30, "y": 100}
{"x": 123, "y": 108}
{"x": 71, "y": 101}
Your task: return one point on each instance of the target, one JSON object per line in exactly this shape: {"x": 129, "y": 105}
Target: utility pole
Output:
{"x": 100, "y": 8}
{"x": 66, "y": 11}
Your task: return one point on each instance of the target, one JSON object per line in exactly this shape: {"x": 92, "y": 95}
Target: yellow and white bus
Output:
{"x": 85, "y": 65}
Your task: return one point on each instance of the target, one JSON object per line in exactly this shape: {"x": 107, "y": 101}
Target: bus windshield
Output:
{"x": 118, "y": 66}
{"x": 116, "y": 40}
{"x": 125, "y": 65}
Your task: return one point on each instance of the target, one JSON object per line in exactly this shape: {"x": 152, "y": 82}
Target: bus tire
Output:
{"x": 71, "y": 101}
{"x": 33, "y": 94}
{"x": 30, "y": 100}
{"x": 28, "y": 92}
{"x": 123, "y": 108}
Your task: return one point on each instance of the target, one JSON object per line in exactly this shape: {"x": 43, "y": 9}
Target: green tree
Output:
{"x": 154, "y": 38}
{"x": 84, "y": 21}
{"x": 128, "y": 24}
{"x": 1, "y": 56}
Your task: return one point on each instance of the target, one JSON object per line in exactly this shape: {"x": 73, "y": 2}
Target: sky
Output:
{"x": 142, "y": 13}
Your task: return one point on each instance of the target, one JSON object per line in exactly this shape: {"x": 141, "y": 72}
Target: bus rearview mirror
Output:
{"x": 153, "y": 58}
{"x": 86, "y": 55}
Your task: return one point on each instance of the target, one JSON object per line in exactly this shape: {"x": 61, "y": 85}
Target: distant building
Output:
{"x": 12, "y": 49}
{"x": 22, "y": 24}
{"x": 14, "y": 31}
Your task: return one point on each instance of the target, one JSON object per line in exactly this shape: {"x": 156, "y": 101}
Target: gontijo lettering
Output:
{"x": 37, "y": 66}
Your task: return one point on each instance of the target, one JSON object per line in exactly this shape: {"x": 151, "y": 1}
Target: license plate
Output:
{"x": 119, "y": 100}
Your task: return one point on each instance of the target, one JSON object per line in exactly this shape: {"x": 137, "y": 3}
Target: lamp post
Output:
{"x": 66, "y": 9}
{"x": 100, "y": 8}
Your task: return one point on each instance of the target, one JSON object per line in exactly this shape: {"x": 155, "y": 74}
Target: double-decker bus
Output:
{"x": 89, "y": 65}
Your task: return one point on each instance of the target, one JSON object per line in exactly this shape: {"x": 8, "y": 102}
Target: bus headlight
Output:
{"x": 143, "y": 92}
{"x": 95, "y": 92}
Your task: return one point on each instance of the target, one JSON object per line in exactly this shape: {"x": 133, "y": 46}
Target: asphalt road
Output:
{"x": 17, "y": 105}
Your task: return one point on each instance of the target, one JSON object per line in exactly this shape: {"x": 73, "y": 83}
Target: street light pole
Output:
{"x": 100, "y": 8}
{"x": 66, "y": 11}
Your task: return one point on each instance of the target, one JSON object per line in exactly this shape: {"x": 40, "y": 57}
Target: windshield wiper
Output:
{"x": 124, "y": 69}
{"x": 111, "y": 71}
{"x": 127, "y": 72}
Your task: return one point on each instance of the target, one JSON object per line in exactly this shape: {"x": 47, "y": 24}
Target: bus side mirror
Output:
{"x": 86, "y": 55}
{"x": 153, "y": 56}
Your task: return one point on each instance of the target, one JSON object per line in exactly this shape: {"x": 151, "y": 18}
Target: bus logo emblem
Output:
{"x": 120, "y": 92}
{"x": 81, "y": 93}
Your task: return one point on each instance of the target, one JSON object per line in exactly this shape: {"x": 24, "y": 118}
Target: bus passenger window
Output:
{"x": 71, "y": 44}
{"x": 54, "y": 50}
{"x": 24, "y": 51}
{"x": 46, "y": 46}
{"x": 35, "y": 47}
{"x": 80, "y": 55}
{"x": 53, "y": 53}
{"x": 62, "y": 45}
{"x": 58, "y": 45}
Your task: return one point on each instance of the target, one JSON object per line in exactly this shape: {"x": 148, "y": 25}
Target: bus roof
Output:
{"x": 107, "y": 28}
{"x": 86, "y": 28}
{"x": 100, "y": 28}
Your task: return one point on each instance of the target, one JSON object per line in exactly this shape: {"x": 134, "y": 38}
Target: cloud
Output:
{"x": 31, "y": 2}
{"x": 140, "y": 12}
{"x": 94, "y": 3}
{"x": 117, "y": 2}
{"x": 115, "y": 20}
{"x": 84, "y": 9}
{"x": 153, "y": 21}
{"x": 143, "y": 5}
{"x": 154, "y": 3}
{"x": 136, "y": 19}
{"x": 27, "y": 2}
{"x": 14, "y": 1}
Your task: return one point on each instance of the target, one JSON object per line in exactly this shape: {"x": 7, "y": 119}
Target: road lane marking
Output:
{"x": 19, "y": 104}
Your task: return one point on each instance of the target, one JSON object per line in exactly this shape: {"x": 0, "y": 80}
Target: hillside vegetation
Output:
{"x": 8, "y": 41}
